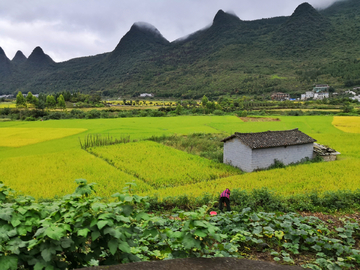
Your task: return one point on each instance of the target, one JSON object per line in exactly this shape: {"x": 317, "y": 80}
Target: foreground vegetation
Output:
{"x": 82, "y": 230}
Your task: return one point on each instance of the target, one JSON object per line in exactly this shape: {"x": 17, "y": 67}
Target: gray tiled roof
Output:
{"x": 270, "y": 139}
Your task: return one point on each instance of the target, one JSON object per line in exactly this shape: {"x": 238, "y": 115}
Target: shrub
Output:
{"x": 218, "y": 112}
{"x": 30, "y": 118}
{"x": 93, "y": 114}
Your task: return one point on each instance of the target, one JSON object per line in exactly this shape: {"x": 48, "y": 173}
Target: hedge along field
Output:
{"x": 16, "y": 137}
{"x": 49, "y": 168}
{"x": 161, "y": 166}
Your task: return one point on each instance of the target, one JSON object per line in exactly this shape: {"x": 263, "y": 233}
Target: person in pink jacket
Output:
{"x": 225, "y": 199}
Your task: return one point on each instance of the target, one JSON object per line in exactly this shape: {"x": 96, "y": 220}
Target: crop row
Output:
{"x": 51, "y": 175}
{"x": 161, "y": 166}
{"x": 300, "y": 179}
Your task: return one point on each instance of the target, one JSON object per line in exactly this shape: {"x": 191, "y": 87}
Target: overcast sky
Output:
{"x": 66, "y": 29}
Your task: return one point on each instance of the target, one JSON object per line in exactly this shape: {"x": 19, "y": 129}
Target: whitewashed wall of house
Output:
{"x": 263, "y": 158}
{"x": 237, "y": 154}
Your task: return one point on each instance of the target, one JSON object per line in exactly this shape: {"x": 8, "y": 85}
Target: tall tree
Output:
{"x": 61, "y": 102}
{"x": 29, "y": 98}
{"x": 20, "y": 100}
{"x": 50, "y": 101}
{"x": 204, "y": 101}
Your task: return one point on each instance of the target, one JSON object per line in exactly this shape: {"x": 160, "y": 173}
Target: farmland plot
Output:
{"x": 162, "y": 166}
{"x": 16, "y": 137}
{"x": 50, "y": 175}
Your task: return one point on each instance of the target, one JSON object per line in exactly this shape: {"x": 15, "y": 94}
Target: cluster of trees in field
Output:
{"x": 57, "y": 100}
{"x": 241, "y": 106}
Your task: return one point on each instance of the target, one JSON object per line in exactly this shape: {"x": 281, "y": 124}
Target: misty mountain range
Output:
{"x": 232, "y": 56}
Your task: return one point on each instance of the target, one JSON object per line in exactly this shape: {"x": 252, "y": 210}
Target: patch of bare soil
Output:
{"x": 259, "y": 119}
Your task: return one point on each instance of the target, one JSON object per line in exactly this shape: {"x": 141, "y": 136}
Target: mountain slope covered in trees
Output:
{"x": 232, "y": 56}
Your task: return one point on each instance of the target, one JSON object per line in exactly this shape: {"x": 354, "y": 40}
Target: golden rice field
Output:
{"x": 292, "y": 180}
{"x": 49, "y": 175}
{"x": 17, "y": 137}
{"x": 350, "y": 124}
{"x": 161, "y": 166}
{"x": 43, "y": 159}
{"x": 7, "y": 105}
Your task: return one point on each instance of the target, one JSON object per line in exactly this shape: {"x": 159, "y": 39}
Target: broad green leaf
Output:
{"x": 106, "y": 216}
{"x": 96, "y": 206}
{"x": 93, "y": 222}
{"x": 152, "y": 232}
{"x": 22, "y": 210}
{"x": 102, "y": 223}
{"x": 198, "y": 223}
{"x": 39, "y": 232}
{"x": 127, "y": 210}
{"x": 9, "y": 262}
{"x": 55, "y": 232}
{"x": 177, "y": 234}
{"x": 142, "y": 215}
{"x": 113, "y": 245}
{"x": 200, "y": 233}
{"x": 12, "y": 232}
{"x": 39, "y": 266}
{"x": 83, "y": 232}
{"x": 47, "y": 254}
{"x": 124, "y": 247}
{"x": 190, "y": 242}
{"x": 5, "y": 214}
{"x": 95, "y": 235}
{"x": 66, "y": 242}
{"x": 128, "y": 199}
{"x": 23, "y": 230}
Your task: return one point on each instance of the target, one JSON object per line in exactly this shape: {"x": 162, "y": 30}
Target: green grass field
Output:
{"x": 48, "y": 168}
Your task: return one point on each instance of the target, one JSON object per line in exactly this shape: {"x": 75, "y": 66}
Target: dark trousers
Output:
{"x": 221, "y": 203}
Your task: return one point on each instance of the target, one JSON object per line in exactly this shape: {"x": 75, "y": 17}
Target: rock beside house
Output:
{"x": 327, "y": 153}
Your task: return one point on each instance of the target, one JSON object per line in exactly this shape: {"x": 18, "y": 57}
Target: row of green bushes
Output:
{"x": 34, "y": 115}
{"x": 265, "y": 199}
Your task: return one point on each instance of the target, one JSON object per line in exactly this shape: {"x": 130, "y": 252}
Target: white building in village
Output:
{"x": 146, "y": 95}
{"x": 320, "y": 91}
{"x": 253, "y": 151}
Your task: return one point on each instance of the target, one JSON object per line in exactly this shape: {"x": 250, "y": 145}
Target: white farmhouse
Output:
{"x": 321, "y": 95}
{"x": 146, "y": 95}
{"x": 253, "y": 151}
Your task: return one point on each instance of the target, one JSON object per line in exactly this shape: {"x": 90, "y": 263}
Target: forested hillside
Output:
{"x": 232, "y": 56}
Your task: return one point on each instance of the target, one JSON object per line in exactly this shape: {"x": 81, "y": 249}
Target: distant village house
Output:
{"x": 321, "y": 88}
{"x": 319, "y": 92}
{"x": 254, "y": 151}
{"x": 146, "y": 95}
{"x": 280, "y": 96}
